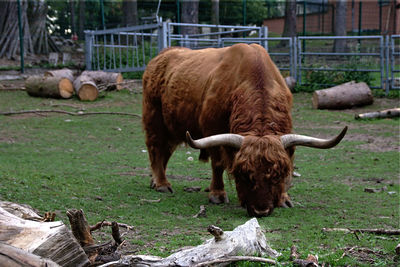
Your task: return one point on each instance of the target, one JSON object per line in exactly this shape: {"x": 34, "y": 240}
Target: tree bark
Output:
{"x": 52, "y": 240}
{"x": 62, "y": 73}
{"x": 215, "y": 15}
{"x": 9, "y": 34}
{"x": 340, "y": 26}
{"x": 290, "y": 26}
{"x": 37, "y": 23}
{"x": 72, "y": 10}
{"x": 16, "y": 257}
{"x": 55, "y": 87}
{"x": 81, "y": 20}
{"x": 190, "y": 14}
{"x": 130, "y": 12}
{"x": 246, "y": 239}
{"x": 343, "y": 96}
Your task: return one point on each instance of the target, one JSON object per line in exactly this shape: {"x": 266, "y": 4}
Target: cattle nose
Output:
{"x": 259, "y": 213}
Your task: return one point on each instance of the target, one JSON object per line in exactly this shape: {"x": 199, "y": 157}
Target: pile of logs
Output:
{"x": 63, "y": 83}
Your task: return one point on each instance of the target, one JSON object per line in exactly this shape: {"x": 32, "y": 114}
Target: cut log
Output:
{"x": 90, "y": 83}
{"x": 343, "y": 96}
{"x": 16, "y": 257}
{"x": 246, "y": 239}
{"x": 51, "y": 240}
{"x": 55, "y": 87}
{"x": 108, "y": 80}
{"x": 63, "y": 73}
{"x": 387, "y": 113}
{"x": 85, "y": 88}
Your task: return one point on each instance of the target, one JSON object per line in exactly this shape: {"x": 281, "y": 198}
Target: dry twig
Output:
{"x": 99, "y": 225}
{"x": 372, "y": 231}
{"x": 80, "y": 113}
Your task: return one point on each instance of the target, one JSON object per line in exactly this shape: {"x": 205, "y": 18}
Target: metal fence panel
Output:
{"x": 130, "y": 48}
{"x": 123, "y": 49}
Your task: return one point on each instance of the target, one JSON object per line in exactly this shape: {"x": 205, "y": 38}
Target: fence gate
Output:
{"x": 122, "y": 49}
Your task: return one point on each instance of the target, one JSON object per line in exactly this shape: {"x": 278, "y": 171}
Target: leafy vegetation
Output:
{"x": 99, "y": 164}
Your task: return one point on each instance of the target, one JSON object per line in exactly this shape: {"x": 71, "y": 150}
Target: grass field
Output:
{"x": 99, "y": 163}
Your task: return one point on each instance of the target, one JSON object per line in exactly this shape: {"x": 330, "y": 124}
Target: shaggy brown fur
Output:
{"x": 212, "y": 91}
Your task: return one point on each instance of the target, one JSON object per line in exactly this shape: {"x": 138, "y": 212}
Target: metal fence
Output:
{"x": 129, "y": 49}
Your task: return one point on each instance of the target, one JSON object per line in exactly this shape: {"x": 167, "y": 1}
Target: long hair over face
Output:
{"x": 260, "y": 168}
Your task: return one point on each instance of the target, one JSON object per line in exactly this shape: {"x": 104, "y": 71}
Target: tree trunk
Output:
{"x": 343, "y": 96}
{"x": 81, "y": 20}
{"x": 130, "y": 13}
{"x": 51, "y": 240}
{"x": 215, "y": 15}
{"x": 56, "y": 87}
{"x": 9, "y": 34}
{"x": 340, "y": 26}
{"x": 72, "y": 10}
{"x": 190, "y": 14}
{"x": 37, "y": 22}
{"x": 290, "y": 26}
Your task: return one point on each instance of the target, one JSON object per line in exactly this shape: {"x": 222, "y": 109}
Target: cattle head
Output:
{"x": 261, "y": 165}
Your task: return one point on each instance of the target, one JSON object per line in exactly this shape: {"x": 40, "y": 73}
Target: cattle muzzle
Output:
{"x": 252, "y": 211}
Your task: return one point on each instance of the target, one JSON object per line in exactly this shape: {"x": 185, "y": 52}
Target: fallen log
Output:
{"x": 55, "y": 87}
{"x": 62, "y": 73}
{"x": 387, "y": 113}
{"x": 51, "y": 240}
{"x": 12, "y": 256}
{"x": 343, "y": 96}
{"x": 90, "y": 83}
{"x": 247, "y": 239}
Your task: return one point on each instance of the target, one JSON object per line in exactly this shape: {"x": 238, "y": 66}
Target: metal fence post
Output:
{"x": 162, "y": 36}
{"x": 88, "y": 49}
{"x": 264, "y": 34}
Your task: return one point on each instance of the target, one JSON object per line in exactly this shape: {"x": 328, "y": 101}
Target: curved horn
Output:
{"x": 232, "y": 140}
{"x": 289, "y": 140}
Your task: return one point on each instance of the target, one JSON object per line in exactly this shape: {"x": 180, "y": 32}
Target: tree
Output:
{"x": 9, "y": 33}
{"x": 81, "y": 20}
{"x": 215, "y": 12}
{"x": 290, "y": 26}
{"x": 340, "y": 26}
{"x": 190, "y": 14}
{"x": 130, "y": 12}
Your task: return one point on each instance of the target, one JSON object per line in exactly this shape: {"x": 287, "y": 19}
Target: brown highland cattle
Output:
{"x": 237, "y": 102}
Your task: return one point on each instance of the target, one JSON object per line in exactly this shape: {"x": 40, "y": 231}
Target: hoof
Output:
{"x": 286, "y": 202}
{"x": 164, "y": 189}
{"x": 161, "y": 188}
{"x": 218, "y": 198}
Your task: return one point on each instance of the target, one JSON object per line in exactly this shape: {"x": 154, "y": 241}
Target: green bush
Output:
{"x": 317, "y": 79}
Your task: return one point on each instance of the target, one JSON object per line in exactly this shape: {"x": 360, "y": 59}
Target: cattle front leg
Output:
{"x": 217, "y": 193}
{"x": 159, "y": 154}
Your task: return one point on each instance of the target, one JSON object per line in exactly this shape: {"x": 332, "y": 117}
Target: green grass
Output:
{"x": 58, "y": 162}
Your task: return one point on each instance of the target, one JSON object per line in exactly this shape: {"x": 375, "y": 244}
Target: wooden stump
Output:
{"x": 51, "y": 240}
{"x": 343, "y": 96}
{"x": 55, "y": 87}
{"x": 89, "y": 83}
